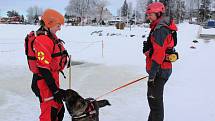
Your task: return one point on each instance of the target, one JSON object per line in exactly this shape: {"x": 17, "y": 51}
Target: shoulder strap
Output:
{"x": 174, "y": 36}
{"x": 32, "y": 33}
{"x": 26, "y": 45}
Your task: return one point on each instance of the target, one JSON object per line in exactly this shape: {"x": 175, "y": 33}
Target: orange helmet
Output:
{"x": 155, "y": 7}
{"x": 51, "y": 18}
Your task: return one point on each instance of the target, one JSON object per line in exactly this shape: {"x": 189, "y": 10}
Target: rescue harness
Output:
{"x": 30, "y": 52}
{"x": 171, "y": 54}
{"x": 89, "y": 112}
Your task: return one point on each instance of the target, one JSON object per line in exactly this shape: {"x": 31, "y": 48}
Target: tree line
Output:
{"x": 95, "y": 11}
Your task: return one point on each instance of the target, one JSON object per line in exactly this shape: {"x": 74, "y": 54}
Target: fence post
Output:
{"x": 70, "y": 73}
{"x": 102, "y": 48}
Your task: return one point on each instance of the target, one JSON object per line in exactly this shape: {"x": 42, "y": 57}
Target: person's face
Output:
{"x": 55, "y": 28}
{"x": 152, "y": 17}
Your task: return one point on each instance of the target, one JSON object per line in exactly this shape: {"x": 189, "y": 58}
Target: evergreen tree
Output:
{"x": 12, "y": 13}
{"x": 169, "y": 6}
{"x": 204, "y": 11}
{"x": 22, "y": 19}
{"x": 165, "y": 2}
{"x": 124, "y": 9}
{"x": 149, "y": 1}
{"x": 183, "y": 11}
{"x": 66, "y": 16}
{"x": 36, "y": 19}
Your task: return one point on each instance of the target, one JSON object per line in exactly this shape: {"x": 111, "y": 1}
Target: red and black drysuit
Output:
{"x": 51, "y": 58}
{"x": 160, "y": 40}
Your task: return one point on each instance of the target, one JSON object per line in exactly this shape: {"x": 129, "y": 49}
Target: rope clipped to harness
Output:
{"x": 123, "y": 86}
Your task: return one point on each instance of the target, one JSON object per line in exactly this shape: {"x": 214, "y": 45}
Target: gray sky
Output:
{"x": 22, "y": 5}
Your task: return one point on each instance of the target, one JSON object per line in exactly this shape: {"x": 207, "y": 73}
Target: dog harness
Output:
{"x": 89, "y": 112}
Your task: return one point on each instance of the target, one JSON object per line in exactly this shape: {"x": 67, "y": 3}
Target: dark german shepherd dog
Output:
{"x": 82, "y": 109}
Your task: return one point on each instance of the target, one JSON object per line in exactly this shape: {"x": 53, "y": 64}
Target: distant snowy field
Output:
{"x": 188, "y": 94}
{"x": 209, "y": 31}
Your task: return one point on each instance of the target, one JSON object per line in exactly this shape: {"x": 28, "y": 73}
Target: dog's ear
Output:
{"x": 103, "y": 103}
{"x": 68, "y": 95}
{"x": 72, "y": 96}
{"x": 107, "y": 102}
{"x": 72, "y": 93}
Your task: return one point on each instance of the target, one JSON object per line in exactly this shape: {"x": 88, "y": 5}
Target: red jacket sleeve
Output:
{"x": 43, "y": 49}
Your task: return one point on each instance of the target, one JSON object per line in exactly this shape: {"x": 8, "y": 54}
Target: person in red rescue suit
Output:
{"x": 159, "y": 70}
{"x": 50, "y": 60}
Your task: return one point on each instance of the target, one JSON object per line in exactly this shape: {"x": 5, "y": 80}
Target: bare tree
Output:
{"x": 107, "y": 15}
{"x": 75, "y": 8}
{"x": 81, "y": 8}
{"x": 141, "y": 9}
{"x": 179, "y": 10}
{"x": 130, "y": 9}
{"x": 33, "y": 13}
{"x": 101, "y": 8}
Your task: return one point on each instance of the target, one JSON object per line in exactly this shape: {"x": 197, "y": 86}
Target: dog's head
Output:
{"x": 74, "y": 102}
{"x": 77, "y": 106}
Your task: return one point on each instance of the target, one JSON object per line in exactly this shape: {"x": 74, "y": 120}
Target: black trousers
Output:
{"x": 155, "y": 99}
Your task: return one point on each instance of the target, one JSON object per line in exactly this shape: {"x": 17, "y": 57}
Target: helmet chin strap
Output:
{"x": 159, "y": 15}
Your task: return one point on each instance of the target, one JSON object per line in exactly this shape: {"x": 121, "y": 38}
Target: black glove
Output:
{"x": 59, "y": 95}
{"x": 145, "y": 46}
{"x": 151, "y": 82}
{"x": 50, "y": 81}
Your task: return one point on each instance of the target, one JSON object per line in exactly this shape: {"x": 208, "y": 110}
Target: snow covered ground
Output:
{"x": 188, "y": 94}
{"x": 210, "y": 31}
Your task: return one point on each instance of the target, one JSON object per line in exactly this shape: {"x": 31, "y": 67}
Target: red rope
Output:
{"x": 123, "y": 86}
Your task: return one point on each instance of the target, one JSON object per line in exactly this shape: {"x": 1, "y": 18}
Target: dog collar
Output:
{"x": 90, "y": 110}
{"x": 84, "y": 115}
